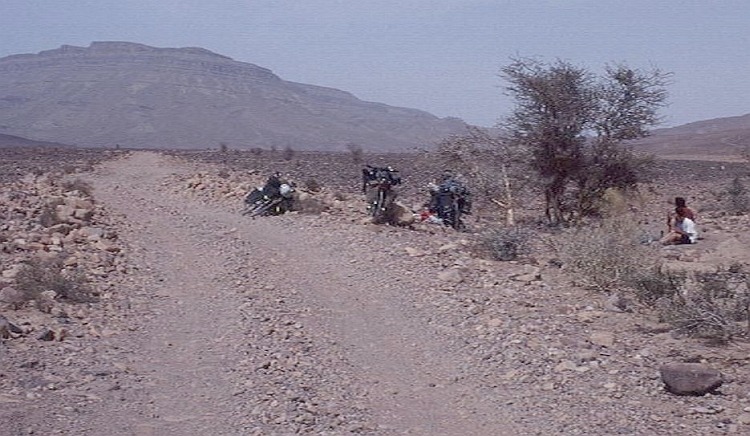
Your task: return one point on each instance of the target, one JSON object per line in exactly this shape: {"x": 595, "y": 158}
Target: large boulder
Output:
{"x": 690, "y": 378}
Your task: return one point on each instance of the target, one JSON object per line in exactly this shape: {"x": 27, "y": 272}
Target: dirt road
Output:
{"x": 353, "y": 357}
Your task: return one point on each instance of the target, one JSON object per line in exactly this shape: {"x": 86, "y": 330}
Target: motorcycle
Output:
{"x": 449, "y": 203}
{"x": 259, "y": 203}
{"x": 381, "y": 180}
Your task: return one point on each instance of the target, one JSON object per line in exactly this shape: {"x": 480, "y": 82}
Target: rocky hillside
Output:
{"x": 132, "y": 95}
{"x": 716, "y": 139}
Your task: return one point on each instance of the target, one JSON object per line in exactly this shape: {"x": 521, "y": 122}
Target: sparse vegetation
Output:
{"x": 38, "y": 276}
{"x": 653, "y": 285}
{"x": 288, "y": 153}
{"x": 357, "y": 152}
{"x": 78, "y": 185}
{"x": 504, "y": 243}
{"x": 737, "y": 197}
{"x": 609, "y": 258}
{"x": 606, "y": 255}
{"x": 712, "y": 305}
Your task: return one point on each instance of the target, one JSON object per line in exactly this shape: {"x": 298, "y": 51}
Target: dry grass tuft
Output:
{"x": 38, "y": 276}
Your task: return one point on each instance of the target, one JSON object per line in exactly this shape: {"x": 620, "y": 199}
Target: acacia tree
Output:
{"x": 574, "y": 123}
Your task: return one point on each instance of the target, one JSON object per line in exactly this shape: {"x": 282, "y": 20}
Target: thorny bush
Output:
{"x": 712, "y": 305}
{"x": 610, "y": 257}
{"x": 38, "y": 276}
{"x": 504, "y": 243}
{"x": 606, "y": 255}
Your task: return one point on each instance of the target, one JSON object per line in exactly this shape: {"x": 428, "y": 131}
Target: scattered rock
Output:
{"x": 46, "y": 335}
{"x": 7, "y": 327}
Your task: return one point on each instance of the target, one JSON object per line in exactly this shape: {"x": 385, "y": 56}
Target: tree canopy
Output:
{"x": 574, "y": 122}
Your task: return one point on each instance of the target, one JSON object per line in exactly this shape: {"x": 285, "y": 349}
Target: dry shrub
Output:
{"x": 48, "y": 215}
{"x": 710, "y": 305}
{"x": 357, "y": 153}
{"x": 79, "y": 185}
{"x": 38, "y": 276}
{"x": 609, "y": 257}
{"x": 606, "y": 255}
{"x": 288, "y": 153}
{"x": 504, "y": 243}
{"x": 652, "y": 286}
{"x": 736, "y": 197}
{"x": 313, "y": 185}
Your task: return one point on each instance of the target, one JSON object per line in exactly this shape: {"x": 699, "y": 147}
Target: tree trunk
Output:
{"x": 553, "y": 195}
{"x": 509, "y": 213}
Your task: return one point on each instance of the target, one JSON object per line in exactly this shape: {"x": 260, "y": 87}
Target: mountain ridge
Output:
{"x": 715, "y": 139}
{"x": 134, "y": 95}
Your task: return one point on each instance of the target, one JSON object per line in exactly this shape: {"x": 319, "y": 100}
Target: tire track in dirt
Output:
{"x": 414, "y": 382}
{"x": 179, "y": 353}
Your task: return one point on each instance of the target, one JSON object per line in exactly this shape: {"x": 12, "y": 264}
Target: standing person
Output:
{"x": 683, "y": 230}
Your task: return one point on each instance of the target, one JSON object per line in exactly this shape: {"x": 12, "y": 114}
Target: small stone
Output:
{"x": 414, "y": 252}
{"x": 602, "y": 339}
{"x": 451, "y": 275}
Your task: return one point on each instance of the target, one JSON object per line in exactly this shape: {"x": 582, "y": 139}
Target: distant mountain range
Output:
{"x": 137, "y": 96}
{"x": 133, "y": 95}
{"x": 716, "y": 139}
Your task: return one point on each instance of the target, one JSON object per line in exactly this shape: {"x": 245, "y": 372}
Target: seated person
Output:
{"x": 683, "y": 231}
{"x": 681, "y": 207}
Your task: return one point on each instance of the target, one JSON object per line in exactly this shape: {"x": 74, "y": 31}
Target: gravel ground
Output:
{"x": 320, "y": 324}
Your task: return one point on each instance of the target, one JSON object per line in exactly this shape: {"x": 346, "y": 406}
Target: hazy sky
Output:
{"x": 442, "y": 56}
